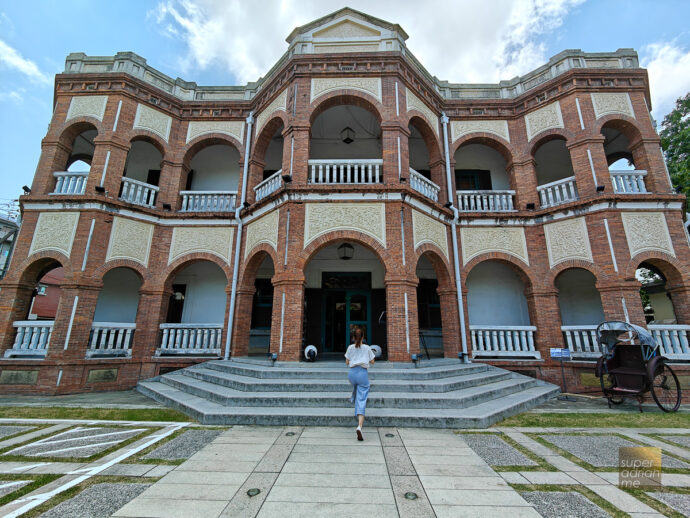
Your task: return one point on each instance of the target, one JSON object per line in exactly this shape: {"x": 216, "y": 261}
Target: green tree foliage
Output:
{"x": 675, "y": 141}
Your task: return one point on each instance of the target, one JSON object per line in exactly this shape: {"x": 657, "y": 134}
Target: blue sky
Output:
{"x": 232, "y": 42}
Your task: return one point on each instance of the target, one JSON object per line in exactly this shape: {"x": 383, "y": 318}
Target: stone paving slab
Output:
{"x": 548, "y": 477}
{"x": 184, "y": 445}
{"x": 324, "y": 510}
{"x": 96, "y": 501}
{"x": 683, "y": 440}
{"x": 622, "y": 500}
{"x": 495, "y": 451}
{"x": 9, "y": 486}
{"x": 475, "y": 511}
{"x": 552, "y": 504}
{"x": 679, "y": 502}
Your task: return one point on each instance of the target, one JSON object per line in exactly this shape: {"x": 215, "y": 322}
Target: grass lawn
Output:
{"x": 111, "y": 414}
{"x": 593, "y": 420}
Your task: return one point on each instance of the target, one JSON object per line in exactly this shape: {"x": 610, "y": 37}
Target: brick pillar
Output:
{"x": 399, "y": 328}
{"x": 153, "y": 309}
{"x": 173, "y": 180}
{"x": 438, "y": 176}
{"x": 255, "y": 175}
{"x": 389, "y": 144}
{"x": 450, "y": 322}
{"x": 601, "y": 165}
{"x": 612, "y": 296}
{"x": 292, "y": 318}
{"x": 545, "y": 314}
{"x": 15, "y": 299}
{"x": 244, "y": 300}
{"x": 287, "y": 150}
{"x": 680, "y": 297}
{"x": 300, "y": 157}
{"x": 647, "y": 155}
{"x": 81, "y": 324}
{"x": 523, "y": 180}
{"x": 53, "y": 158}
{"x": 115, "y": 171}
{"x": 583, "y": 170}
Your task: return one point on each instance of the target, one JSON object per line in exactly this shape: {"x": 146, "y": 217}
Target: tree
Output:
{"x": 675, "y": 141}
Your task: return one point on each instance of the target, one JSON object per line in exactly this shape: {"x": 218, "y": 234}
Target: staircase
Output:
{"x": 440, "y": 393}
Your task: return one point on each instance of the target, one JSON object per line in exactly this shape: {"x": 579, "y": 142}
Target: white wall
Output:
{"x": 496, "y": 296}
{"x": 205, "y": 300}
{"x": 425, "y": 270}
{"x": 579, "y": 298}
{"x": 216, "y": 168}
{"x": 417, "y": 150}
{"x": 274, "y": 153}
{"x": 327, "y": 260}
{"x": 326, "y": 141}
{"x": 142, "y": 156}
{"x": 119, "y": 298}
{"x": 479, "y": 156}
{"x": 553, "y": 162}
{"x": 662, "y": 306}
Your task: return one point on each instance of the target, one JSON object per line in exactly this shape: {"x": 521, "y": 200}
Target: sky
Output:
{"x": 231, "y": 42}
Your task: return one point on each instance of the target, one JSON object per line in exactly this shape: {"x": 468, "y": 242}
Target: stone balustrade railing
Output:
{"x": 190, "y": 339}
{"x": 582, "y": 341}
{"x": 345, "y": 171}
{"x": 503, "y": 341}
{"x": 32, "y": 338}
{"x": 558, "y": 192}
{"x": 269, "y": 185}
{"x": 208, "y": 201}
{"x": 423, "y": 185}
{"x": 673, "y": 340}
{"x": 110, "y": 339}
{"x": 139, "y": 193}
{"x": 70, "y": 182}
{"x": 486, "y": 201}
{"x": 628, "y": 182}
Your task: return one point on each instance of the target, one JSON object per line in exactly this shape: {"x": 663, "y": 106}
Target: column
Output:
{"x": 612, "y": 297}
{"x": 450, "y": 322}
{"x": 244, "y": 300}
{"x": 153, "y": 309}
{"x": 300, "y": 156}
{"x": 288, "y": 318}
{"x": 15, "y": 299}
{"x": 402, "y": 327}
{"x": 255, "y": 174}
{"x": 545, "y": 314}
{"x": 647, "y": 155}
{"x": 390, "y": 133}
{"x": 579, "y": 156}
{"x": 523, "y": 180}
{"x": 680, "y": 297}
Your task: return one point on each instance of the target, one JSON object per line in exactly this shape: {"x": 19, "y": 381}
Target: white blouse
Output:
{"x": 359, "y": 356}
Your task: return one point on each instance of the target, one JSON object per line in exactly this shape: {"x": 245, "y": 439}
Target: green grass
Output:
{"x": 37, "y": 481}
{"x": 593, "y": 420}
{"x": 591, "y": 495}
{"x": 106, "y": 414}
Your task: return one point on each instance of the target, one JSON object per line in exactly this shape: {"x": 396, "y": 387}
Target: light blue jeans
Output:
{"x": 359, "y": 378}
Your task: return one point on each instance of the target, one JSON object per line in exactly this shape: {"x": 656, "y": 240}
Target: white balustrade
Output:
{"x": 110, "y": 339}
{"x": 558, "y": 192}
{"x": 582, "y": 341}
{"x": 70, "y": 182}
{"x": 672, "y": 339}
{"x": 190, "y": 339}
{"x": 628, "y": 182}
{"x": 32, "y": 338}
{"x": 139, "y": 193}
{"x": 208, "y": 201}
{"x": 508, "y": 341}
{"x": 486, "y": 201}
{"x": 423, "y": 185}
{"x": 269, "y": 185}
{"x": 345, "y": 171}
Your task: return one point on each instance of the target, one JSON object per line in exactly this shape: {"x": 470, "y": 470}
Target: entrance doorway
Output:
{"x": 343, "y": 312}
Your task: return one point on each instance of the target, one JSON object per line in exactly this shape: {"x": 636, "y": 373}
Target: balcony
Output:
{"x": 503, "y": 341}
{"x": 190, "y": 339}
{"x": 110, "y": 339}
{"x": 70, "y": 182}
{"x": 558, "y": 192}
{"x": 628, "y": 182}
{"x": 32, "y": 339}
{"x": 208, "y": 201}
{"x": 423, "y": 185}
{"x": 582, "y": 341}
{"x": 486, "y": 201}
{"x": 269, "y": 185}
{"x": 346, "y": 171}
{"x": 138, "y": 193}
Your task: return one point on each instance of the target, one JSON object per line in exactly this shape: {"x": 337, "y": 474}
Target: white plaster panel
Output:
{"x": 415, "y": 103}
{"x": 55, "y": 231}
{"x": 278, "y": 104}
{"x": 647, "y": 231}
{"x": 368, "y": 85}
{"x": 212, "y": 240}
{"x": 152, "y": 120}
{"x": 87, "y": 106}
{"x": 477, "y": 241}
{"x": 234, "y": 129}
{"x": 429, "y": 230}
{"x": 346, "y": 29}
{"x": 545, "y": 118}
{"x": 368, "y": 218}
{"x": 131, "y": 240}
{"x": 497, "y": 127}
{"x": 568, "y": 240}
{"x": 607, "y": 103}
{"x": 351, "y": 47}
{"x": 262, "y": 230}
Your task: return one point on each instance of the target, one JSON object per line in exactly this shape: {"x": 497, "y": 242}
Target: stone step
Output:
{"x": 339, "y": 371}
{"x": 377, "y": 399}
{"x": 477, "y": 416}
{"x": 248, "y": 384}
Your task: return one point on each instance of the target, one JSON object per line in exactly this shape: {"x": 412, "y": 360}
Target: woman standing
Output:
{"x": 358, "y": 358}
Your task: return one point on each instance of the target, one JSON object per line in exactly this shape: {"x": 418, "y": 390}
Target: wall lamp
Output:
{"x": 601, "y": 188}
{"x": 287, "y": 178}
{"x": 246, "y": 205}
{"x": 167, "y": 206}
{"x": 99, "y": 189}
{"x": 529, "y": 206}
{"x": 448, "y": 204}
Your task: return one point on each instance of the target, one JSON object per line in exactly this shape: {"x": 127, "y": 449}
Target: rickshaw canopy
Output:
{"x": 611, "y": 333}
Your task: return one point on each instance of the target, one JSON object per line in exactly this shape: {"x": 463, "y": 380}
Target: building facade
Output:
{"x": 348, "y": 187}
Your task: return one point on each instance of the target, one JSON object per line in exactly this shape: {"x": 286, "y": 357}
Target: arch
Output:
{"x": 140, "y": 135}
{"x": 430, "y": 137}
{"x": 342, "y": 97}
{"x": 579, "y": 300}
{"x": 266, "y": 132}
{"x": 520, "y": 267}
{"x": 548, "y": 136}
{"x": 340, "y": 236}
{"x": 138, "y": 268}
{"x": 505, "y": 148}
{"x": 441, "y": 266}
{"x": 623, "y": 123}
{"x": 253, "y": 262}
{"x": 189, "y": 259}
{"x": 206, "y": 140}
{"x": 76, "y": 127}
{"x": 599, "y": 274}
{"x": 40, "y": 263}
{"x": 119, "y": 297}
{"x": 674, "y": 271}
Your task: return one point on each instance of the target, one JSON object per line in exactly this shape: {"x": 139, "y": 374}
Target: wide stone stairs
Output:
{"x": 440, "y": 393}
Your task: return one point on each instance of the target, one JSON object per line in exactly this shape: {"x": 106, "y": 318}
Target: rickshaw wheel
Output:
{"x": 608, "y": 383}
{"x": 666, "y": 389}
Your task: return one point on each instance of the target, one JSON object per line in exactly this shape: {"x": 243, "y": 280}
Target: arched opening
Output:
{"x": 429, "y": 309}
{"x": 426, "y": 170}
{"x": 142, "y": 174}
{"x": 114, "y": 319}
{"x": 581, "y": 310}
{"x": 498, "y": 312}
{"x": 72, "y": 178}
{"x": 211, "y": 185}
{"x": 481, "y": 178}
{"x": 344, "y": 289}
{"x": 625, "y": 176}
{"x": 656, "y": 301}
{"x": 262, "y": 309}
{"x": 345, "y": 146}
{"x": 196, "y": 311}
{"x": 555, "y": 174}
{"x": 273, "y": 159}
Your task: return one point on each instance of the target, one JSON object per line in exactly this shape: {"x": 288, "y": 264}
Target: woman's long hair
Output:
{"x": 359, "y": 336}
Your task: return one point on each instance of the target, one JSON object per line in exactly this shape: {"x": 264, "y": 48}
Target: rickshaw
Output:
{"x": 631, "y": 365}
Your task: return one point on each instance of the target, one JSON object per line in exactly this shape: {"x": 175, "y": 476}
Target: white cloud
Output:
{"x": 474, "y": 40}
{"x": 15, "y": 96}
{"x": 11, "y": 59}
{"x": 668, "y": 66}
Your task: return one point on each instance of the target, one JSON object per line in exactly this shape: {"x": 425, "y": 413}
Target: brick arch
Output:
{"x": 136, "y": 267}
{"x": 517, "y": 265}
{"x": 264, "y": 135}
{"x": 75, "y": 126}
{"x": 499, "y": 144}
{"x": 556, "y": 271}
{"x": 343, "y": 97}
{"x": 36, "y": 265}
{"x": 168, "y": 275}
{"x": 676, "y": 273}
{"x": 549, "y": 135}
{"x": 438, "y": 260}
{"x": 206, "y": 140}
{"x": 341, "y": 236}
{"x": 431, "y": 140}
{"x": 253, "y": 262}
{"x": 628, "y": 126}
{"x": 150, "y": 137}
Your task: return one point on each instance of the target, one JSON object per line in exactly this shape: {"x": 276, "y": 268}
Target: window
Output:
{"x": 472, "y": 180}
{"x": 41, "y": 289}
{"x": 263, "y": 304}
{"x": 428, "y": 304}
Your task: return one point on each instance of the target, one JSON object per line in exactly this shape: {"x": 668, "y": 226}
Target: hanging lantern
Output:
{"x": 346, "y": 251}
{"x": 348, "y": 135}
